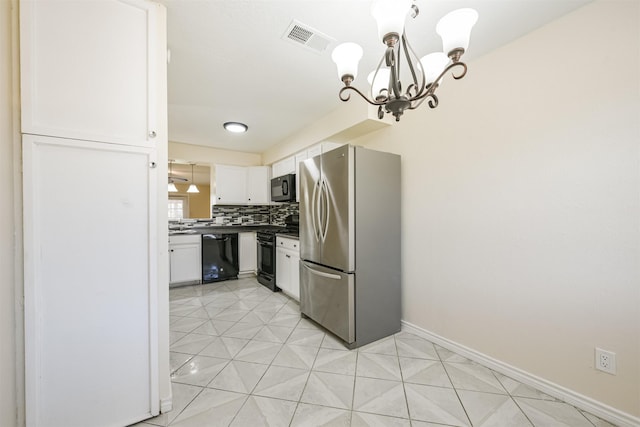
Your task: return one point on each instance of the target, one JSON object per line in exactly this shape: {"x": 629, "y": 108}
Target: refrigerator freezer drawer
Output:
{"x": 327, "y": 296}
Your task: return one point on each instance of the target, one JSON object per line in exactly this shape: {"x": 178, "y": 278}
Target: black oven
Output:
{"x": 267, "y": 249}
{"x": 267, "y": 259}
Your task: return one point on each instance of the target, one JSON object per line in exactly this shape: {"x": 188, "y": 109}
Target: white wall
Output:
{"x": 521, "y": 210}
{"x": 9, "y": 350}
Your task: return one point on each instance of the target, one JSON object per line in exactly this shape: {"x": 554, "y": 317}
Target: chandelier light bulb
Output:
{"x": 390, "y": 15}
{"x": 346, "y": 56}
{"x": 433, "y": 64}
{"x": 455, "y": 29}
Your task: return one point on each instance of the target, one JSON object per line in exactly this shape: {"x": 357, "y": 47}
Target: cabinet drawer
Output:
{"x": 286, "y": 243}
{"x": 182, "y": 238}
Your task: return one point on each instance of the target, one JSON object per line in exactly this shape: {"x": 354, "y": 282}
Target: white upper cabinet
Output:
{"x": 72, "y": 55}
{"x": 283, "y": 167}
{"x": 239, "y": 185}
{"x": 231, "y": 185}
{"x": 258, "y": 185}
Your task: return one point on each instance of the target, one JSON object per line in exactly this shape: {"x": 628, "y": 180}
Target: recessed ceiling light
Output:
{"x": 235, "y": 127}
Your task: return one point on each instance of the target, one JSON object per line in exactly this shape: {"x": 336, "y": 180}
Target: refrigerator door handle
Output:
{"x": 322, "y": 273}
{"x": 314, "y": 210}
{"x": 325, "y": 193}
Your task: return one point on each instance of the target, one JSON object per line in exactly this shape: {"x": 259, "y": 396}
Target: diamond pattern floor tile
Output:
{"x": 424, "y": 371}
{"x": 436, "y": 405}
{"x": 264, "y": 412}
{"x": 295, "y": 356}
{"x": 320, "y": 416}
{"x": 328, "y": 389}
{"x": 380, "y": 397}
{"x": 282, "y": 383}
{"x": 378, "y": 366}
{"x": 199, "y": 370}
{"x": 471, "y": 376}
{"x": 212, "y": 408}
{"x": 238, "y": 376}
{"x": 492, "y": 410}
{"x": 242, "y": 355}
{"x": 546, "y": 413}
{"x": 336, "y": 361}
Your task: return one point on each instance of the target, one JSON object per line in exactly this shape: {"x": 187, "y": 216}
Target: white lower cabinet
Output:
{"x": 247, "y": 252}
{"x": 287, "y": 266}
{"x": 185, "y": 254}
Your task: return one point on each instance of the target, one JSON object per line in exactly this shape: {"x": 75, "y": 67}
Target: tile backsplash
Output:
{"x": 253, "y": 214}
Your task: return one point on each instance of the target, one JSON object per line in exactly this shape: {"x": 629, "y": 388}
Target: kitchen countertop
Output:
{"x": 222, "y": 229}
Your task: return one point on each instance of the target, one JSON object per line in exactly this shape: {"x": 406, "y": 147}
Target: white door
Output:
{"x": 89, "y": 69}
{"x": 90, "y": 273}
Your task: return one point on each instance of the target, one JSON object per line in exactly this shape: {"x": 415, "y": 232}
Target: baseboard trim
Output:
{"x": 166, "y": 404}
{"x": 578, "y": 400}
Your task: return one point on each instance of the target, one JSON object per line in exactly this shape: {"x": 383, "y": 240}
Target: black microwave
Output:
{"x": 283, "y": 188}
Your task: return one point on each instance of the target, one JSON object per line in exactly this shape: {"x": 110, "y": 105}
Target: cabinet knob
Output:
{"x": 152, "y": 134}
{"x": 152, "y": 165}
{"x": 288, "y": 256}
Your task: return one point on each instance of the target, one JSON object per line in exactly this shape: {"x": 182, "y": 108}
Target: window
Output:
{"x": 178, "y": 206}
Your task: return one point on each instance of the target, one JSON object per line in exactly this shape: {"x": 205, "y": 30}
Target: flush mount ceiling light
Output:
{"x": 426, "y": 73}
{"x": 192, "y": 187}
{"x": 235, "y": 127}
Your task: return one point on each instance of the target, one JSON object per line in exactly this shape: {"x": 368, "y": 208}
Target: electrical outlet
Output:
{"x": 605, "y": 361}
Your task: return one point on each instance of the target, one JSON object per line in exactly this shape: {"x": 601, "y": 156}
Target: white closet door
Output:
{"x": 90, "y": 266}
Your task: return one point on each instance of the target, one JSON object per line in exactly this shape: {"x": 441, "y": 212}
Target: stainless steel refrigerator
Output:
{"x": 350, "y": 243}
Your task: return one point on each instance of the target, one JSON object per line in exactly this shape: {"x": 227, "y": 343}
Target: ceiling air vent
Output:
{"x": 308, "y": 37}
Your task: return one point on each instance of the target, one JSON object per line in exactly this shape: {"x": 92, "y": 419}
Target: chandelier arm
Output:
{"x": 433, "y": 101}
{"x": 375, "y": 76}
{"x": 431, "y": 88}
{"x": 348, "y": 95}
{"x": 392, "y": 62}
{"x": 408, "y": 53}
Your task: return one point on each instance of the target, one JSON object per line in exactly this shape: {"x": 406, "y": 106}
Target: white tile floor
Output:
{"x": 242, "y": 356}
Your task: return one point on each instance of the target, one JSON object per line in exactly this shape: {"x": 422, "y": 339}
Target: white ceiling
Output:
{"x": 229, "y": 61}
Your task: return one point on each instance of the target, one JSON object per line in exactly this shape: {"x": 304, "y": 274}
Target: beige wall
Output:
{"x": 11, "y": 352}
{"x": 199, "y": 203}
{"x": 521, "y": 211}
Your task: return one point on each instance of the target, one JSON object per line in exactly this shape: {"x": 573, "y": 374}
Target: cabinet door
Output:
{"x": 248, "y": 252}
{"x": 90, "y": 282}
{"x": 93, "y": 70}
{"x": 283, "y": 270}
{"x": 185, "y": 264}
{"x": 283, "y": 167}
{"x": 231, "y": 185}
{"x": 258, "y": 185}
{"x": 295, "y": 276}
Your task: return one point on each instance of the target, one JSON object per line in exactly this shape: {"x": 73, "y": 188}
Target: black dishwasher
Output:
{"x": 219, "y": 257}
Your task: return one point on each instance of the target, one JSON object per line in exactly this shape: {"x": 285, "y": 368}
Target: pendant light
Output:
{"x": 172, "y": 187}
{"x": 192, "y": 187}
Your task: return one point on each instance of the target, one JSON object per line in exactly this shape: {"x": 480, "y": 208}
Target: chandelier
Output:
{"x": 426, "y": 73}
